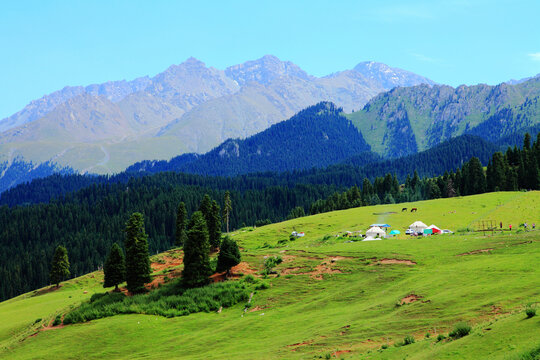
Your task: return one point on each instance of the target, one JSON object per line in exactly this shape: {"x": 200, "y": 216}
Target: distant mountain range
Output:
{"x": 103, "y": 128}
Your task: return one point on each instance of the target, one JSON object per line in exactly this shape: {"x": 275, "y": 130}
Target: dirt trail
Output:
{"x": 474, "y": 252}
{"x": 394, "y": 261}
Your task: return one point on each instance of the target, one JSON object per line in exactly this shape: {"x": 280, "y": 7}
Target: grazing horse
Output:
{"x": 414, "y": 209}
{"x": 404, "y": 209}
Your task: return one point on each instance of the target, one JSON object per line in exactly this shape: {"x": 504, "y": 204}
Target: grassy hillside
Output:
{"x": 333, "y": 298}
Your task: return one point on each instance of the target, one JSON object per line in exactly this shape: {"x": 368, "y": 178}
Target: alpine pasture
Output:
{"x": 332, "y": 297}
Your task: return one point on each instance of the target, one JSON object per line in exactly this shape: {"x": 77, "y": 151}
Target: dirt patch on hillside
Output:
{"x": 166, "y": 262}
{"x": 46, "y": 290}
{"x": 297, "y": 345}
{"x": 409, "y": 299}
{"x": 474, "y": 252}
{"x": 393, "y": 262}
{"x": 243, "y": 268}
{"x": 319, "y": 271}
{"x": 322, "y": 269}
{"x": 259, "y": 308}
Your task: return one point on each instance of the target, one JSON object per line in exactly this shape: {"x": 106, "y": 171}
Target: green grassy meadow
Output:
{"x": 333, "y": 298}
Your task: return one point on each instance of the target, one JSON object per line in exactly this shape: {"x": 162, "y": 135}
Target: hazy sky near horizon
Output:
{"x": 47, "y": 45}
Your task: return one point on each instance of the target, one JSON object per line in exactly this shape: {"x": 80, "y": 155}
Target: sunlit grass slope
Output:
{"x": 336, "y": 298}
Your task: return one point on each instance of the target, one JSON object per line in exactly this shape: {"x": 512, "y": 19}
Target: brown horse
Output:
{"x": 414, "y": 209}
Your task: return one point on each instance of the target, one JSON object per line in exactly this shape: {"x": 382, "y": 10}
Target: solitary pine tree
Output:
{"x": 214, "y": 226}
{"x": 181, "y": 219}
{"x": 60, "y": 266}
{"x": 137, "y": 259}
{"x": 227, "y": 208}
{"x": 196, "y": 248}
{"x": 114, "y": 268}
{"x": 229, "y": 255}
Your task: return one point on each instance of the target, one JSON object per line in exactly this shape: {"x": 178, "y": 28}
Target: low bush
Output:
{"x": 37, "y": 320}
{"x": 384, "y": 346}
{"x": 57, "y": 320}
{"x": 440, "y": 337}
{"x": 460, "y": 330}
{"x": 530, "y": 312}
{"x": 169, "y": 301}
{"x": 408, "y": 340}
{"x": 263, "y": 285}
{"x": 428, "y": 335}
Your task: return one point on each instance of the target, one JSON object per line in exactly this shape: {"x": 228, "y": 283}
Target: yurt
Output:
{"x": 418, "y": 226}
{"x": 434, "y": 228}
{"x": 375, "y": 232}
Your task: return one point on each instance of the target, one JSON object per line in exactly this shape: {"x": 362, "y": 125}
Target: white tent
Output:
{"x": 434, "y": 227}
{"x": 375, "y": 232}
{"x": 418, "y": 226}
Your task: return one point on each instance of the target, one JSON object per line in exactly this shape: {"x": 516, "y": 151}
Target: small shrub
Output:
{"x": 428, "y": 335}
{"x": 464, "y": 230}
{"x": 250, "y": 279}
{"x": 384, "y": 346}
{"x": 408, "y": 340}
{"x": 440, "y": 337}
{"x": 57, "y": 320}
{"x": 37, "y": 320}
{"x": 530, "y": 312}
{"x": 262, "y": 286}
{"x": 460, "y": 330}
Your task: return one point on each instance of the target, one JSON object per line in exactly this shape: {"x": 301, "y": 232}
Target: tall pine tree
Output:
{"x": 196, "y": 253}
{"x": 137, "y": 258}
{"x": 114, "y": 268}
{"x": 59, "y": 266}
{"x": 181, "y": 220}
{"x": 214, "y": 225}
{"x": 227, "y": 208}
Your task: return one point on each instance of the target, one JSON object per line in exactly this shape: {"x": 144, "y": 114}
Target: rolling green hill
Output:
{"x": 403, "y": 121}
{"x": 333, "y": 297}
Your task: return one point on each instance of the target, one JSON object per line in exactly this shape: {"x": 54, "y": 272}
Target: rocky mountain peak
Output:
{"x": 264, "y": 70}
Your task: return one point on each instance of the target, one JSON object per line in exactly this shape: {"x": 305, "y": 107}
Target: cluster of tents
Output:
{"x": 379, "y": 231}
{"x": 419, "y": 227}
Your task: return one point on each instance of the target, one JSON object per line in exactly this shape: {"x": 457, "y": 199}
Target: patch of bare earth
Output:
{"x": 242, "y": 268}
{"x": 321, "y": 269}
{"x": 393, "y": 262}
{"x": 409, "y": 299}
{"x": 474, "y": 252}
{"x": 259, "y": 308}
{"x": 47, "y": 290}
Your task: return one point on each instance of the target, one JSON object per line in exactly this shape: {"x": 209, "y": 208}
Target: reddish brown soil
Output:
{"x": 258, "y": 308}
{"x": 323, "y": 269}
{"x": 474, "y": 252}
{"x": 169, "y": 263}
{"x": 394, "y": 261}
{"x": 47, "y": 290}
{"x": 409, "y": 299}
{"x": 243, "y": 268}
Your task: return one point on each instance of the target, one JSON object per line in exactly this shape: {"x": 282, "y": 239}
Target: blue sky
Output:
{"x": 47, "y": 45}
